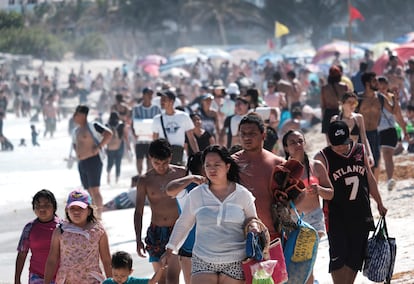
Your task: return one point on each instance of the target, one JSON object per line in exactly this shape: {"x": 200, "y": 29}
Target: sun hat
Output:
{"x": 79, "y": 197}
{"x": 218, "y": 84}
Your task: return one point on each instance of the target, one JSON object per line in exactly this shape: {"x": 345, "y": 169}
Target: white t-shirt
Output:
{"x": 175, "y": 125}
{"x": 220, "y": 225}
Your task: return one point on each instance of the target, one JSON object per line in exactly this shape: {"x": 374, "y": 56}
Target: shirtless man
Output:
{"x": 121, "y": 107}
{"x": 164, "y": 211}
{"x": 331, "y": 95}
{"x": 50, "y": 115}
{"x": 371, "y": 108}
{"x": 284, "y": 87}
{"x": 395, "y": 76}
{"x": 273, "y": 98}
{"x": 87, "y": 142}
{"x": 410, "y": 76}
{"x": 256, "y": 166}
{"x": 297, "y": 89}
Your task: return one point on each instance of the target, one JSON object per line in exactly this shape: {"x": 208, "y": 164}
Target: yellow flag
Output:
{"x": 280, "y": 29}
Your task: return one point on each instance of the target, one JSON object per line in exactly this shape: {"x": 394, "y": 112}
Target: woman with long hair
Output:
{"x": 220, "y": 207}
{"x": 355, "y": 121}
{"x": 316, "y": 179}
{"x": 116, "y": 146}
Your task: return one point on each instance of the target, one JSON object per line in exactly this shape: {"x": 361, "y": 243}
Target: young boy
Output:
{"x": 164, "y": 209}
{"x": 34, "y": 135}
{"x": 122, "y": 269}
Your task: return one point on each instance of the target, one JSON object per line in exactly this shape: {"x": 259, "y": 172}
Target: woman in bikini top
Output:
{"x": 355, "y": 121}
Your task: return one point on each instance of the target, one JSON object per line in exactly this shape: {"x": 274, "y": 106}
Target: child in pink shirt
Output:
{"x": 36, "y": 237}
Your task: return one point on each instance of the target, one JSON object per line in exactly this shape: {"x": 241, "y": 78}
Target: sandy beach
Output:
{"x": 28, "y": 169}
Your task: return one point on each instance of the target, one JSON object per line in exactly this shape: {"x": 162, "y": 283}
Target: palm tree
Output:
{"x": 222, "y": 13}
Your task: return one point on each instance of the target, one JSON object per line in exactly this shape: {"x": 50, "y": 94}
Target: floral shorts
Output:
{"x": 232, "y": 269}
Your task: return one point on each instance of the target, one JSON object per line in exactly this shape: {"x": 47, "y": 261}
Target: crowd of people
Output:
{"x": 231, "y": 139}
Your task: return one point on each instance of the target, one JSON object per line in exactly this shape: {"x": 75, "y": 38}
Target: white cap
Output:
{"x": 233, "y": 88}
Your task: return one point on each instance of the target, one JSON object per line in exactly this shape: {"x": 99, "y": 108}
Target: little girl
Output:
{"x": 36, "y": 237}
{"x": 78, "y": 244}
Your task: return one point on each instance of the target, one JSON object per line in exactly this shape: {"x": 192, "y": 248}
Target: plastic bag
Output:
{"x": 262, "y": 272}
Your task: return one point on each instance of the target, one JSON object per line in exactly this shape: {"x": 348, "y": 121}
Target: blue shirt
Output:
{"x": 131, "y": 280}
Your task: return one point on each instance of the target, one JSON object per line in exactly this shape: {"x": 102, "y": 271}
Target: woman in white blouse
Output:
{"x": 220, "y": 208}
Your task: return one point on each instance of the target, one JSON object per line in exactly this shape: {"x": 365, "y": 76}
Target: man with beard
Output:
{"x": 370, "y": 106}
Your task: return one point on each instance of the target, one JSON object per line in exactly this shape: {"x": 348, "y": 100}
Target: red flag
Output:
{"x": 355, "y": 14}
{"x": 270, "y": 44}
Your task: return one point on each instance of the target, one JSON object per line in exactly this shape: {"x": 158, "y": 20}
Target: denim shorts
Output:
{"x": 314, "y": 218}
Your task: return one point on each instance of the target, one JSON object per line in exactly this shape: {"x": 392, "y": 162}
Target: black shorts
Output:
{"x": 346, "y": 248}
{"x": 177, "y": 155}
{"x": 90, "y": 171}
{"x": 388, "y": 137}
{"x": 141, "y": 150}
{"x": 373, "y": 140}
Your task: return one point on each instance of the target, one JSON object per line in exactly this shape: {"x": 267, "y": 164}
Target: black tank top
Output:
{"x": 350, "y": 207}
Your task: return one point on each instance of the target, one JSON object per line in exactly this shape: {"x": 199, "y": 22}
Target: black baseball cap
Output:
{"x": 242, "y": 99}
{"x": 338, "y": 133}
{"x": 167, "y": 93}
{"x": 147, "y": 90}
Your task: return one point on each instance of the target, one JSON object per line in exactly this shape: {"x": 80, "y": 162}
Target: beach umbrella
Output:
{"x": 379, "y": 48}
{"x": 152, "y": 70}
{"x": 408, "y": 37}
{"x": 273, "y": 57}
{"x": 152, "y": 59}
{"x": 298, "y": 50}
{"x": 313, "y": 68}
{"x": 182, "y": 60}
{"x": 328, "y": 51}
{"x": 404, "y": 52}
{"x": 186, "y": 50}
{"x": 216, "y": 53}
{"x": 176, "y": 72}
{"x": 237, "y": 55}
{"x": 190, "y": 57}
{"x": 173, "y": 64}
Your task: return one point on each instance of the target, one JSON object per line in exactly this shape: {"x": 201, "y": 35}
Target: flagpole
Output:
{"x": 349, "y": 37}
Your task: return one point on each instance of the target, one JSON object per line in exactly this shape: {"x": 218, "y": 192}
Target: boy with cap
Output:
{"x": 173, "y": 125}
{"x": 89, "y": 139}
{"x": 348, "y": 215}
